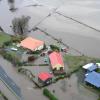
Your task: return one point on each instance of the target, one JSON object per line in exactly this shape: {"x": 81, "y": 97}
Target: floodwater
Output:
{"x": 27, "y": 87}
{"x": 70, "y": 90}
{"x": 72, "y": 33}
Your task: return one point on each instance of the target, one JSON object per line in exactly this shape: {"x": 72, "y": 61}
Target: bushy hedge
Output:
{"x": 48, "y": 94}
{"x": 55, "y": 48}
{"x": 30, "y": 64}
{"x": 14, "y": 60}
{"x": 7, "y": 43}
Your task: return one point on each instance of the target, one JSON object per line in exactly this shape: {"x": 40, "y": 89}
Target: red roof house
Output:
{"x": 32, "y": 44}
{"x": 56, "y": 61}
{"x": 45, "y": 78}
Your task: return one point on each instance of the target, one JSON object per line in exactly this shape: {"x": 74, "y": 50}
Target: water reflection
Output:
{"x": 12, "y": 5}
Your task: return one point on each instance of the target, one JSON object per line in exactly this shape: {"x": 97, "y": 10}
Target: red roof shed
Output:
{"x": 44, "y": 76}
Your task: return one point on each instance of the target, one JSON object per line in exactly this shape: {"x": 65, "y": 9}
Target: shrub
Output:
{"x": 7, "y": 43}
{"x": 99, "y": 98}
{"x": 36, "y": 52}
{"x": 12, "y": 58}
{"x": 55, "y": 48}
{"x": 48, "y": 94}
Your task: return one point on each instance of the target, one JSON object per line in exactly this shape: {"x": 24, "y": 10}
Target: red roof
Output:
{"x": 31, "y": 43}
{"x": 56, "y": 60}
{"x": 44, "y": 76}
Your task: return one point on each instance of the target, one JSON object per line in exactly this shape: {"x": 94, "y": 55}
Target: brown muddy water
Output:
{"x": 74, "y": 34}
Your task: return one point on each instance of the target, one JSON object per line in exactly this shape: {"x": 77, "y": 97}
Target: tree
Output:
{"x": 20, "y": 25}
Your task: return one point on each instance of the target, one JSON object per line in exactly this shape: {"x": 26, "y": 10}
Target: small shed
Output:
{"x": 90, "y": 67}
{"x": 45, "y": 78}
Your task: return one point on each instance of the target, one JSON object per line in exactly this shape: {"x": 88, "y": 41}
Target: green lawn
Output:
{"x": 98, "y": 70}
{"x": 75, "y": 62}
{"x": 4, "y": 38}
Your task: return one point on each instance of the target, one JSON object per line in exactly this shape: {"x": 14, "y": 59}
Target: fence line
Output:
{"x": 66, "y": 45}
{"x": 78, "y": 22}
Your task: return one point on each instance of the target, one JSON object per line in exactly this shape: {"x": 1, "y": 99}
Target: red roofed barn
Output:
{"x": 32, "y": 44}
{"x": 45, "y": 78}
{"x": 56, "y": 61}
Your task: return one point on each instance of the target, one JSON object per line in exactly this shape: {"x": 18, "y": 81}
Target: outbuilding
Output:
{"x": 93, "y": 78}
{"x": 56, "y": 61}
{"x": 45, "y": 78}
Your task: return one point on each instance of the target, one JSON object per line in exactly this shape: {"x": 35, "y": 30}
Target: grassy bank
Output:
{"x": 76, "y": 62}
{"x": 4, "y": 38}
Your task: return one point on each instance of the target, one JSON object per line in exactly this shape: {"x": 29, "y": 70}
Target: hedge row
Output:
{"x": 11, "y": 58}
{"x": 55, "y": 48}
{"x": 30, "y": 64}
{"x": 48, "y": 94}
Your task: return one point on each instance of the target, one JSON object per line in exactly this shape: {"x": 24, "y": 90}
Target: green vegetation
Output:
{"x": 55, "y": 48}
{"x": 11, "y": 56}
{"x": 99, "y": 98}
{"x": 30, "y": 64}
{"x": 48, "y": 94}
{"x": 59, "y": 77}
{"x": 76, "y": 62}
{"x": 7, "y": 42}
{"x": 4, "y": 38}
{"x": 98, "y": 70}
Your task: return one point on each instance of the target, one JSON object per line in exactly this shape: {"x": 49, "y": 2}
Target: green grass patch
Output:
{"x": 76, "y": 62}
{"x": 98, "y": 70}
{"x": 4, "y": 38}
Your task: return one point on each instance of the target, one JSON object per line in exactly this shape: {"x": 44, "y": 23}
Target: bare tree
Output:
{"x": 20, "y": 25}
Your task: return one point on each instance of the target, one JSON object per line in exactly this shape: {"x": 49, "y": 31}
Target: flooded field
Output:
{"x": 69, "y": 89}
{"x": 57, "y": 25}
{"x": 76, "y": 35}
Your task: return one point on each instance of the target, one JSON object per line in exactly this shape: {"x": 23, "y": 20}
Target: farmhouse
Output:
{"x": 32, "y": 44}
{"x": 56, "y": 62}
